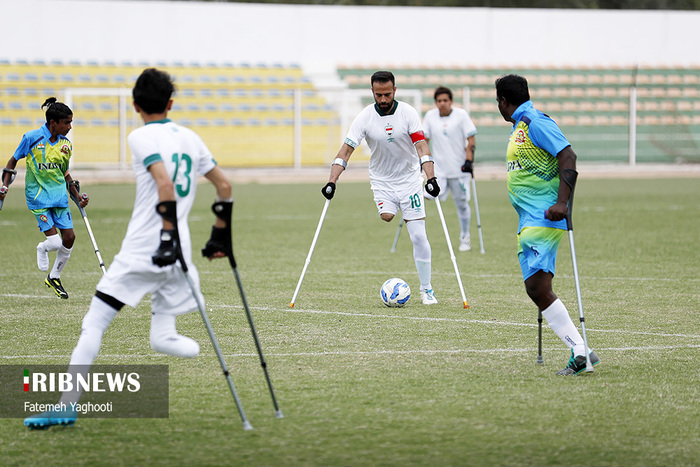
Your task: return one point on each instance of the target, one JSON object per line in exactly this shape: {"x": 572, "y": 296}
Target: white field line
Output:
{"x": 417, "y": 318}
{"x": 373, "y": 352}
{"x": 514, "y": 276}
{"x": 454, "y": 320}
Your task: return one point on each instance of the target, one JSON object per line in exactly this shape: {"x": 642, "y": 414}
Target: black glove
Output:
{"x": 217, "y": 242}
{"x": 468, "y": 167}
{"x": 166, "y": 254}
{"x": 329, "y": 190}
{"x": 432, "y": 187}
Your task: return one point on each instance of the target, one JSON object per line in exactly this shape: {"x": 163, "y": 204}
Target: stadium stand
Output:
{"x": 592, "y": 105}
{"x": 244, "y": 112}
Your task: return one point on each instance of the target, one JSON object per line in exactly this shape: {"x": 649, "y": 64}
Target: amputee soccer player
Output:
{"x": 452, "y": 136}
{"x": 537, "y": 155}
{"x": 395, "y": 137}
{"x": 47, "y": 152}
{"x": 167, "y": 159}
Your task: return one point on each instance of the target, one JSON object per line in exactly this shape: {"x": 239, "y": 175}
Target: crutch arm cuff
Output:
{"x": 223, "y": 210}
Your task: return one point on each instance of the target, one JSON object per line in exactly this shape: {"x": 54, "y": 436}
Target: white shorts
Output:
{"x": 129, "y": 279}
{"x": 409, "y": 200}
{"x": 459, "y": 187}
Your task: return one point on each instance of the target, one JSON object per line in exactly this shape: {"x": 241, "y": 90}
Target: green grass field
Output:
{"x": 362, "y": 384}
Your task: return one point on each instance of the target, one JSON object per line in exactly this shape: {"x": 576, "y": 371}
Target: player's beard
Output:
{"x": 385, "y": 107}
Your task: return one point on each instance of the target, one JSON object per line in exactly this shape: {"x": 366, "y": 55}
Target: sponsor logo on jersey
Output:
{"x": 519, "y": 136}
{"x": 65, "y": 149}
{"x": 513, "y": 165}
{"x": 48, "y": 165}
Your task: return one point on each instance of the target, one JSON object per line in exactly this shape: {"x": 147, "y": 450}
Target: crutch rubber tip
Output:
{"x": 465, "y": 305}
{"x": 247, "y": 426}
{"x": 278, "y": 414}
{"x": 540, "y": 360}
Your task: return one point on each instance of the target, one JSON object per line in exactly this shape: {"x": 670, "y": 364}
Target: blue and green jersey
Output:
{"x": 47, "y": 163}
{"x": 533, "y": 167}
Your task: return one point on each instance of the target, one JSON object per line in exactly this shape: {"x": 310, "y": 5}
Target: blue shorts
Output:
{"x": 537, "y": 249}
{"x": 47, "y": 218}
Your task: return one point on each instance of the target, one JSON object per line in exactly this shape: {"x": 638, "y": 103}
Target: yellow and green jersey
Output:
{"x": 532, "y": 166}
{"x": 47, "y": 163}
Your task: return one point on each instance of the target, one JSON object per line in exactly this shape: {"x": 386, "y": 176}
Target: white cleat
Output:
{"x": 42, "y": 258}
{"x": 465, "y": 243}
{"x": 428, "y": 297}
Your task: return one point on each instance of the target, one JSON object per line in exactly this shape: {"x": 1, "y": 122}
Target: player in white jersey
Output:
{"x": 451, "y": 134}
{"x": 167, "y": 159}
{"x": 394, "y": 134}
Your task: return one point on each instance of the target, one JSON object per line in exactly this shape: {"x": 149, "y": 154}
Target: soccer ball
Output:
{"x": 395, "y": 292}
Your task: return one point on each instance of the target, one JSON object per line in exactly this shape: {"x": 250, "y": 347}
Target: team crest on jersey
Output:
{"x": 65, "y": 149}
{"x": 519, "y": 137}
{"x": 389, "y": 130}
{"x": 43, "y": 218}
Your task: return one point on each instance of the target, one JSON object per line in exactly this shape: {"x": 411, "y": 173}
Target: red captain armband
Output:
{"x": 417, "y": 136}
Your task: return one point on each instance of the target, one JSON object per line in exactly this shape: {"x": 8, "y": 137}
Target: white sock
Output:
{"x": 558, "y": 318}
{"x": 165, "y": 339}
{"x": 95, "y": 323}
{"x": 61, "y": 259}
{"x": 421, "y": 251}
{"x": 52, "y": 243}
{"x": 465, "y": 217}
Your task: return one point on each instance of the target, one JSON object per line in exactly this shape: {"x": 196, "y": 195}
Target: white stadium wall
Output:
{"x": 318, "y": 37}
{"x": 236, "y": 67}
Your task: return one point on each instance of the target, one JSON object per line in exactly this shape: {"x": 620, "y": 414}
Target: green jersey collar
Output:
{"x": 164, "y": 120}
{"x": 390, "y": 112}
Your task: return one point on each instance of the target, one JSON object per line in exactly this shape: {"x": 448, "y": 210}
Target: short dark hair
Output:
{"x": 383, "y": 77}
{"x": 153, "y": 90}
{"x": 443, "y": 90}
{"x": 55, "y": 110}
{"x": 513, "y": 88}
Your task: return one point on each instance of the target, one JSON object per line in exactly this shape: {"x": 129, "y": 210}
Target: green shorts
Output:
{"x": 537, "y": 249}
{"x": 47, "y": 218}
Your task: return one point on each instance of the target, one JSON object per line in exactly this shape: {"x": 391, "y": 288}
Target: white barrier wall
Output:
{"x": 319, "y": 37}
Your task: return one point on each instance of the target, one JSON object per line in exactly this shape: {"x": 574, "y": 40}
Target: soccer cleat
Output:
{"x": 57, "y": 287}
{"x": 465, "y": 243}
{"x": 42, "y": 258}
{"x": 428, "y": 297}
{"x": 577, "y": 364}
{"x": 48, "y": 419}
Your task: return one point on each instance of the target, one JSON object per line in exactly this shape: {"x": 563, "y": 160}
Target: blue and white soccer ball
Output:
{"x": 395, "y": 292}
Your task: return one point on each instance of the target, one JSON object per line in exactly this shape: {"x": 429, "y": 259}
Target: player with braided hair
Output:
{"x": 47, "y": 152}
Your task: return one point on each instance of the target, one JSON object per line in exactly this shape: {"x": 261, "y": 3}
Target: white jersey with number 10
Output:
{"x": 394, "y": 161}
